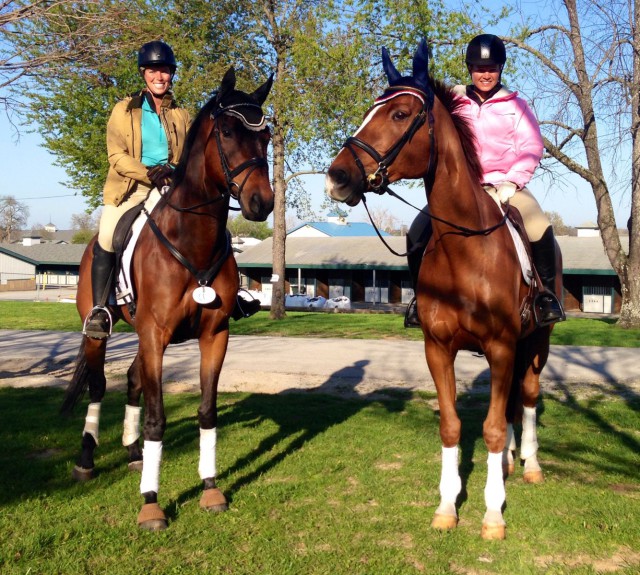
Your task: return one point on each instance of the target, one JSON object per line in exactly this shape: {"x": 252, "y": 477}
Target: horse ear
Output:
{"x": 421, "y": 64}
{"x": 389, "y": 69}
{"x": 228, "y": 82}
{"x": 260, "y": 95}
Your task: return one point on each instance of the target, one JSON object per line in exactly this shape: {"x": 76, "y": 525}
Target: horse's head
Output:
{"x": 227, "y": 148}
{"x": 393, "y": 142}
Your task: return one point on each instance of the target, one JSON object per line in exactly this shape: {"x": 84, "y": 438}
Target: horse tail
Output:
{"x": 79, "y": 383}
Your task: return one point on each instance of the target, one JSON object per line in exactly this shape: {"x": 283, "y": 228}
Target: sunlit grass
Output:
{"x": 318, "y": 485}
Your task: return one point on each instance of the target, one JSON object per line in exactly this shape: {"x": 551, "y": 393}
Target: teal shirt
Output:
{"x": 155, "y": 148}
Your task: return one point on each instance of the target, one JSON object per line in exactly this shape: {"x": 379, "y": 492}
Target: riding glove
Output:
{"x": 505, "y": 191}
{"x": 160, "y": 175}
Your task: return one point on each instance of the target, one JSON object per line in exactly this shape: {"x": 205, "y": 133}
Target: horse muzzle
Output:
{"x": 256, "y": 207}
{"x": 341, "y": 187}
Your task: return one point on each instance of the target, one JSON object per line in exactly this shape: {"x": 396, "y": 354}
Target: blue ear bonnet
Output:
{"x": 418, "y": 81}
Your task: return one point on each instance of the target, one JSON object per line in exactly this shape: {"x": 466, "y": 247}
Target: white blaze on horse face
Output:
{"x": 369, "y": 117}
{"x": 329, "y": 184}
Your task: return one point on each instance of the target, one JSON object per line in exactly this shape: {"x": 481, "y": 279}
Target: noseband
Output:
{"x": 234, "y": 189}
{"x": 378, "y": 181}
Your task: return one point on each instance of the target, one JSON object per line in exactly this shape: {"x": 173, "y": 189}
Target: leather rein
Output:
{"x": 205, "y": 277}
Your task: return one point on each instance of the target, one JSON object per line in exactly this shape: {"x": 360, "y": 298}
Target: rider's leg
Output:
{"x": 98, "y": 323}
{"x": 543, "y": 247}
{"x": 544, "y": 258}
{"x": 245, "y": 307}
{"x": 417, "y": 240}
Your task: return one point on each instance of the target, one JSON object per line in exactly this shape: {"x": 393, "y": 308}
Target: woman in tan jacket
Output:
{"x": 145, "y": 136}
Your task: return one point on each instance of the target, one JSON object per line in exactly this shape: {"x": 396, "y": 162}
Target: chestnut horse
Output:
{"x": 471, "y": 292}
{"x": 186, "y": 281}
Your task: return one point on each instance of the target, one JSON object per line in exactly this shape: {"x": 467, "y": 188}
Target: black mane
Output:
{"x": 194, "y": 129}
{"x": 451, "y": 102}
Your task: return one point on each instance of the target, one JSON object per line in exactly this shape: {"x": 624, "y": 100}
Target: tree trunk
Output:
{"x": 630, "y": 311}
{"x": 279, "y": 221}
{"x": 622, "y": 263}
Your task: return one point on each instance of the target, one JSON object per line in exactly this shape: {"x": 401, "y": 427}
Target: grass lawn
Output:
{"x": 318, "y": 485}
{"x": 63, "y": 317}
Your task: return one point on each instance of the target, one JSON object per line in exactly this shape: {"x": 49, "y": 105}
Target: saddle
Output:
{"x": 124, "y": 240}
{"x": 529, "y": 272}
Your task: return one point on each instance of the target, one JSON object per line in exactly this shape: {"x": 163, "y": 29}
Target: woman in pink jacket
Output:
{"x": 510, "y": 148}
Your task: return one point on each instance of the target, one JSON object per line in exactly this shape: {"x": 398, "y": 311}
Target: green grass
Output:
{"x": 318, "y": 485}
{"x": 63, "y": 317}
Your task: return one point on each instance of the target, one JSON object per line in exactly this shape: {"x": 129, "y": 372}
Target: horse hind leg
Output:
{"x": 529, "y": 447}
{"x": 131, "y": 425}
{"x": 538, "y": 349}
{"x": 88, "y": 374}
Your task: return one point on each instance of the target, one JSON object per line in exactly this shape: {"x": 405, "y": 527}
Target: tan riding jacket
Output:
{"x": 124, "y": 144}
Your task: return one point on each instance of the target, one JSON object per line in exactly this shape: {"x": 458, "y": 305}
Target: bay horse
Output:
{"x": 185, "y": 279}
{"x": 471, "y": 291}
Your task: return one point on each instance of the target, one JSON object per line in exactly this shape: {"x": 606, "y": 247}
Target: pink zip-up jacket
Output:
{"x": 508, "y": 136}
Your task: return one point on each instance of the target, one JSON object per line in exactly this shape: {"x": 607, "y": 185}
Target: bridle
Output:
{"x": 378, "y": 181}
{"x": 229, "y": 174}
{"x": 251, "y": 164}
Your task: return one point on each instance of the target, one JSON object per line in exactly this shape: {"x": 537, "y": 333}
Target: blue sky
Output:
{"x": 29, "y": 175}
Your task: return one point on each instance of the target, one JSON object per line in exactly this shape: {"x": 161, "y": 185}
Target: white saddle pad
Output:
{"x": 525, "y": 263}
{"x": 124, "y": 286}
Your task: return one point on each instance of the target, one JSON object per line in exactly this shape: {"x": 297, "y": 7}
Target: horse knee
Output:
{"x": 495, "y": 436}
{"x": 450, "y": 432}
{"x": 154, "y": 429}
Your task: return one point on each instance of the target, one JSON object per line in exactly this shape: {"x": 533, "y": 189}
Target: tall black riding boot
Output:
{"x": 417, "y": 240}
{"x": 547, "y": 306}
{"x": 245, "y": 307}
{"x": 98, "y": 323}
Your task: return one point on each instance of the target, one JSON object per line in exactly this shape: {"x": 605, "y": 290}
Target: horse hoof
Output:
{"x": 81, "y": 474}
{"x": 152, "y": 518}
{"x": 493, "y": 532}
{"x": 213, "y": 500}
{"x": 444, "y": 522}
{"x": 533, "y": 477}
{"x": 135, "y": 465}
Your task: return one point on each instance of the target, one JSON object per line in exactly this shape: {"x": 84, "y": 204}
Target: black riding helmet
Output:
{"x": 156, "y": 53}
{"x": 486, "y": 50}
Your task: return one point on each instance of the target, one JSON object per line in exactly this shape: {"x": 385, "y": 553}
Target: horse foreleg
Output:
{"x": 441, "y": 367}
{"x": 501, "y": 361}
{"x": 151, "y": 516}
{"x": 131, "y": 426}
{"x": 212, "y": 351}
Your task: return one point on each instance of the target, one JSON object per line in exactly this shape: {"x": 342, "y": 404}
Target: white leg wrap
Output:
{"x": 494, "y": 493}
{"x": 131, "y": 426}
{"x": 207, "y": 466}
{"x": 151, "y": 458}
{"x": 507, "y": 454}
{"x": 529, "y": 444}
{"x": 450, "y": 483}
{"x": 511, "y": 438}
{"x": 92, "y": 421}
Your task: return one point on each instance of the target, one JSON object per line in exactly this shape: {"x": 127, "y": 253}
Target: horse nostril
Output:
{"x": 340, "y": 177}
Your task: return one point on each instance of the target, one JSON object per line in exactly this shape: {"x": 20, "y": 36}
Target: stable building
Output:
{"x": 364, "y": 270}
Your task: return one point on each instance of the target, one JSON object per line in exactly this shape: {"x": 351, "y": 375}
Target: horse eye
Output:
{"x": 399, "y": 115}
{"x": 226, "y": 133}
